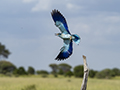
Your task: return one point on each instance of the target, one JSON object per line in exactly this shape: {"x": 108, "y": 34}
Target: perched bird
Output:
{"x": 67, "y": 37}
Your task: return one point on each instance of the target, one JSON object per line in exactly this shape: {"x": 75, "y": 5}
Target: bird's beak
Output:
{"x": 56, "y": 34}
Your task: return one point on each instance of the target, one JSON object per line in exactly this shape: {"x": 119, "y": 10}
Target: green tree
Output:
{"x": 69, "y": 73}
{"x": 31, "y": 70}
{"x": 106, "y": 73}
{"x": 78, "y": 71}
{"x": 20, "y": 71}
{"x": 54, "y": 68}
{"x": 116, "y": 71}
{"x": 6, "y": 67}
{"x": 61, "y": 72}
{"x": 3, "y": 51}
{"x": 92, "y": 73}
{"x": 64, "y": 67}
{"x": 42, "y": 72}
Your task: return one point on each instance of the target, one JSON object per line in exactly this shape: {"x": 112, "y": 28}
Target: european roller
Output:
{"x": 65, "y": 34}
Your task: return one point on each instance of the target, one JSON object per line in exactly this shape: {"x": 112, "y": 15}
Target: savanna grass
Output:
{"x": 60, "y": 83}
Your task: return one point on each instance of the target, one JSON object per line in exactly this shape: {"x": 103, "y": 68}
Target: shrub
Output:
{"x": 55, "y": 75}
{"x": 20, "y": 71}
{"x": 106, "y": 73}
{"x": 31, "y": 70}
{"x": 116, "y": 71}
{"x": 92, "y": 73}
{"x": 78, "y": 71}
{"x": 61, "y": 72}
{"x": 69, "y": 73}
{"x": 6, "y": 67}
{"x": 42, "y": 72}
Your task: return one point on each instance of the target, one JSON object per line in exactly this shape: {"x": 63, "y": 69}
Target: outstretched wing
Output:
{"x": 65, "y": 51}
{"x": 60, "y": 21}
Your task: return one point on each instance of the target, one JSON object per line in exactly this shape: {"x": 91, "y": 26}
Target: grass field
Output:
{"x": 61, "y": 83}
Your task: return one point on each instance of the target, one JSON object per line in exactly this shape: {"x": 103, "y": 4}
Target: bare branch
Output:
{"x": 86, "y": 72}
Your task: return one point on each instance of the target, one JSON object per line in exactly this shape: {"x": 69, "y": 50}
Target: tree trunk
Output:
{"x": 86, "y": 72}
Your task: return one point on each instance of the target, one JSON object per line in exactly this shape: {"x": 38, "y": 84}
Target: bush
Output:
{"x": 78, "y": 71}
{"x": 6, "y": 67}
{"x": 69, "y": 73}
{"x": 116, "y": 71}
{"x": 42, "y": 72}
{"x": 64, "y": 67}
{"x": 20, "y": 71}
{"x": 106, "y": 73}
{"x": 92, "y": 73}
{"x": 54, "y": 68}
{"x": 31, "y": 70}
{"x": 55, "y": 75}
{"x": 61, "y": 72}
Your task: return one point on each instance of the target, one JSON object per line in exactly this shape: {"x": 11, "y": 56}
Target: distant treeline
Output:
{"x": 7, "y": 68}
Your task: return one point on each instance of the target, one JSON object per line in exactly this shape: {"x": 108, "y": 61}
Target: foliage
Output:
{"x": 20, "y": 71}
{"x": 54, "y": 68}
{"x": 116, "y": 71}
{"x": 31, "y": 70}
{"x": 55, "y": 75}
{"x": 69, "y": 73}
{"x": 3, "y": 51}
{"x": 92, "y": 73}
{"x": 106, "y": 73}
{"x": 42, "y": 72}
{"x": 64, "y": 68}
{"x": 61, "y": 72}
{"x": 78, "y": 71}
{"x": 6, "y": 67}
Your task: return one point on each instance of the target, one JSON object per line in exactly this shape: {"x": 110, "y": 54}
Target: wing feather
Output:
{"x": 60, "y": 21}
{"x": 65, "y": 51}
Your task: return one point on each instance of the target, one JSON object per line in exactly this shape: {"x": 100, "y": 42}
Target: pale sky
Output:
{"x": 27, "y": 30}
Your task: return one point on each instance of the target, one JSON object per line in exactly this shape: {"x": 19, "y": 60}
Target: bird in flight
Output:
{"x": 67, "y": 37}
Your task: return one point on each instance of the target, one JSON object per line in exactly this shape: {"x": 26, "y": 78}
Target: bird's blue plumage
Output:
{"x": 66, "y": 51}
{"x": 58, "y": 17}
{"x": 61, "y": 23}
{"x": 76, "y": 38}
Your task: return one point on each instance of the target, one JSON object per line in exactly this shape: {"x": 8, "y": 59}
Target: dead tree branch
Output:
{"x": 86, "y": 72}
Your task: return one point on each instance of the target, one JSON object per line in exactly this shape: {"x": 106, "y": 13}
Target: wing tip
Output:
{"x": 59, "y": 59}
{"x": 54, "y": 11}
{"x": 63, "y": 56}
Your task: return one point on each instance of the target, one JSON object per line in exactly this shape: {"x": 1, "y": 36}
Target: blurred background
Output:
{"x": 27, "y": 32}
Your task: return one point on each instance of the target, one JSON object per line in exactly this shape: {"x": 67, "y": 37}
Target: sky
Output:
{"x": 28, "y": 31}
